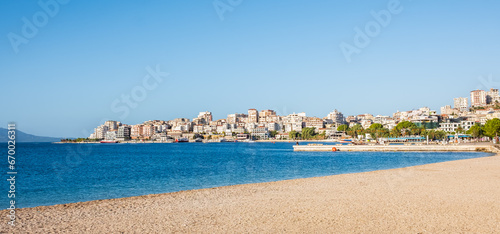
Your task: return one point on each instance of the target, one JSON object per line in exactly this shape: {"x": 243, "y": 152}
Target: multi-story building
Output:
{"x": 426, "y": 121}
{"x": 314, "y": 122}
{"x": 296, "y": 118}
{"x": 239, "y": 129}
{"x": 178, "y": 121}
{"x": 136, "y": 131}
{"x": 209, "y": 128}
{"x": 297, "y": 126}
{"x": 453, "y": 125}
{"x": 198, "y": 128}
{"x": 274, "y": 126}
{"x": 236, "y": 118}
{"x": 99, "y": 132}
{"x": 253, "y": 116}
{"x": 161, "y": 127}
{"x": 123, "y": 133}
{"x": 336, "y": 117}
{"x": 449, "y": 126}
{"x": 364, "y": 116}
{"x": 182, "y": 127}
{"x": 111, "y": 124}
{"x": 148, "y": 131}
{"x": 461, "y": 104}
{"x": 224, "y": 128}
{"x": 492, "y": 97}
{"x": 260, "y": 133}
{"x": 381, "y": 119}
{"x": 478, "y": 98}
{"x": 203, "y": 117}
{"x": 366, "y": 123}
{"x": 110, "y": 135}
{"x": 266, "y": 116}
{"x": 447, "y": 110}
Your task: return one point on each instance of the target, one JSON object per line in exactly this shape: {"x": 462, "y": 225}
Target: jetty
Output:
{"x": 421, "y": 147}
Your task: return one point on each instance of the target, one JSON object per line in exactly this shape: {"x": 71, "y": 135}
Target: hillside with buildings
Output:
{"x": 266, "y": 124}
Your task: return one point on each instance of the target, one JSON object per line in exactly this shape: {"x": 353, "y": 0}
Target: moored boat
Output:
{"x": 108, "y": 141}
{"x": 183, "y": 139}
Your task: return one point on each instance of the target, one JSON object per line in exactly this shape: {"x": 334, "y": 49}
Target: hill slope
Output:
{"x": 25, "y": 137}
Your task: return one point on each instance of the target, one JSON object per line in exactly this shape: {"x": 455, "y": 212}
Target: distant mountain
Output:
{"x": 25, "y": 137}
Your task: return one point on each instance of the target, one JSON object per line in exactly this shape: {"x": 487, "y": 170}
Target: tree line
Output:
{"x": 404, "y": 128}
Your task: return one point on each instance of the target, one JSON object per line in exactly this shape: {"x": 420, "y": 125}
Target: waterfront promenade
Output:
{"x": 420, "y": 147}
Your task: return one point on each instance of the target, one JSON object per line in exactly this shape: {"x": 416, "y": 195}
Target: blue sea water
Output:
{"x": 51, "y": 174}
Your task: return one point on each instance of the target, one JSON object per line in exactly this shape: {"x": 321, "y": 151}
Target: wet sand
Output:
{"x": 458, "y": 196}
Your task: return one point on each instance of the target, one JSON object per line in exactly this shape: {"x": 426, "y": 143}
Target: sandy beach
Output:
{"x": 451, "y": 197}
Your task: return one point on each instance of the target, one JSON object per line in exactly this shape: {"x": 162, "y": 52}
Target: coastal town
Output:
{"x": 466, "y": 120}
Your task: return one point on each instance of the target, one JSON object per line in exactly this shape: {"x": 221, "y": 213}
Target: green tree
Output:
{"x": 308, "y": 133}
{"x": 293, "y": 135}
{"x": 273, "y": 133}
{"x": 476, "y": 131}
{"x": 342, "y": 128}
{"x": 357, "y": 127}
{"x": 405, "y": 125}
{"x": 376, "y": 126}
{"x": 395, "y": 132}
{"x": 492, "y": 127}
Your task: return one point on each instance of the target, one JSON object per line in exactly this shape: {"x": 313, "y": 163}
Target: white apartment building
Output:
{"x": 461, "y": 103}
{"x": 110, "y": 135}
{"x": 336, "y": 117}
{"x": 366, "y": 123}
{"x": 99, "y": 132}
{"x": 148, "y": 130}
{"x": 447, "y": 110}
{"x": 492, "y": 96}
{"x": 478, "y": 98}
{"x": 260, "y": 132}
{"x": 453, "y": 126}
{"x": 253, "y": 116}
{"x": 274, "y": 126}
{"x": 111, "y": 124}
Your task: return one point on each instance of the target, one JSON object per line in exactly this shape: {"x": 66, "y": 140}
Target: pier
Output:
{"x": 423, "y": 147}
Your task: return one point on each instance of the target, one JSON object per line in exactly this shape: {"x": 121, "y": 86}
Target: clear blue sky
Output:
{"x": 281, "y": 55}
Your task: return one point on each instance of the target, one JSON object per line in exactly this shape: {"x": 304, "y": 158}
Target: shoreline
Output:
{"x": 223, "y": 204}
{"x": 406, "y": 148}
{"x": 164, "y": 142}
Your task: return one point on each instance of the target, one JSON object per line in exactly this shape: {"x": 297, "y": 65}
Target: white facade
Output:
{"x": 461, "y": 104}
{"x": 478, "y": 98}
{"x": 99, "y": 132}
{"x": 110, "y": 135}
{"x": 336, "y": 117}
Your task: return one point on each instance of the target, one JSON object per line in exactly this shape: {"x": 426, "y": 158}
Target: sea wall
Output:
{"x": 317, "y": 147}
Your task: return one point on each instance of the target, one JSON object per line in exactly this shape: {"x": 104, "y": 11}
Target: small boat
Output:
{"x": 108, "y": 141}
{"x": 183, "y": 139}
{"x": 345, "y": 141}
{"x": 198, "y": 140}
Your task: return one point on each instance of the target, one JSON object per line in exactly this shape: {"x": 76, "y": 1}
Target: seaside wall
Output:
{"x": 484, "y": 148}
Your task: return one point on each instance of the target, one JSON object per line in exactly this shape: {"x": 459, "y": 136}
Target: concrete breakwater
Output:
{"x": 468, "y": 147}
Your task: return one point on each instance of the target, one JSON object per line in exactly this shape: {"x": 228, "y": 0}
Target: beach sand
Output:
{"x": 451, "y": 197}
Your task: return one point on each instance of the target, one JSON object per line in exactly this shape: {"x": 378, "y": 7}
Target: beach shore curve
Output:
{"x": 447, "y": 197}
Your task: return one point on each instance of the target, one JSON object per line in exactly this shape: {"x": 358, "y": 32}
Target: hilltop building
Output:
{"x": 461, "y": 104}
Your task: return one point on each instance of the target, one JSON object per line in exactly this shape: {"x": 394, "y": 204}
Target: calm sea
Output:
{"x": 51, "y": 174}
